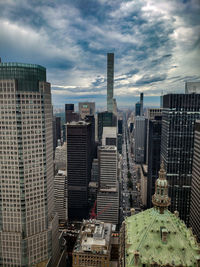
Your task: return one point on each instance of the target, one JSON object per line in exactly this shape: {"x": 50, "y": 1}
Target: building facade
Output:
{"x": 28, "y": 223}
{"x": 105, "y": 119}
{"x": 108, "y": 195}
{"x": 108, "y": 160}
{"x": 195, "y": 194}
{"x": 137, "y": 109}
{"x": 79, "y": 163}
{"x": 86, "y": 108}
{"x": 180, "y": 111}
{"x": 93, "y": 245}
{"x": 153, "y": 155}
{"x": 70, "y": 114}
{"x": 60, "y": 195}
{"x": 140, "y": 139}
{"x": 192, "y": 87}
{"x": 110, "y": 81}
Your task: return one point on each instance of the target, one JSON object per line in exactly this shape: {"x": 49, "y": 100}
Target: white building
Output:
{"x": 107, "y": 156}
{"x": 109, "y": 137}
{"x": 60, "y": 195}
{"x": 61, "y": 157}
{"x": 108, "y": 205}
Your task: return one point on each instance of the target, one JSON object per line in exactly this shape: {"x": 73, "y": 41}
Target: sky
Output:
{"x": 156, "y": 45}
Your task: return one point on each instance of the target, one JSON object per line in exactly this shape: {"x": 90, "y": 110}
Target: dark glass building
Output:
{"x": 70, "y": 115}
{"x": 137, "y": 109}
{"x": 180, "y": 111}
{"x": 79, "y": 163}
{"x": 154, "y": 142}
{"x": 105, "y": 119}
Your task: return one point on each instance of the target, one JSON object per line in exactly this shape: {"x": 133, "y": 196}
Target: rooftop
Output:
{"x": 94, "y": 237}
{"x": 159, "y": 239}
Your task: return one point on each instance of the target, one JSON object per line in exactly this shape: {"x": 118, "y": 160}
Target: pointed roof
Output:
{"x": 160, "y": 199}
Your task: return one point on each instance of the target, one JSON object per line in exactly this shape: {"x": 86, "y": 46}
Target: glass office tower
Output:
{"x": 28, "y": 224}
{"x": 180, "y": 111}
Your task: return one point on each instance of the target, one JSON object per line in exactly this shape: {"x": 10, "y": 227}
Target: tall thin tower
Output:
{"x": 141, "y": 104}
{"x": 28, "y": 224}
{"x": 110, "y": 81}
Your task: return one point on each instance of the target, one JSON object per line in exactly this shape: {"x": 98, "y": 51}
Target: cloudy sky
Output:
{"x": 156, "y": 45}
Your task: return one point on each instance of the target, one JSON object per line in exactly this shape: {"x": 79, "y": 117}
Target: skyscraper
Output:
{"x": 108, "y": 195}
{"x": 195, "y": 190}
{"x": 153, "y": 152}
{"x": 140, "y": 139}
{"x": 110, "y": 81}
{"x": 180, "y": 111}
{"x": 137, "y": 109}
{"x": 105, "y": 119}
{"x": 79, "y": 163}
{"x": 28, "y": 224}
{"x": 86, "y": 108}
{"x": 70, "y": 115}
{"x": 141, "y": 104}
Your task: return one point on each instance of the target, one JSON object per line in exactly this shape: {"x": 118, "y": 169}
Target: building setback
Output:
{"x": 195, "y": 194}
{"x": 110, "y": 81}
{"x": 28, "y": 224}
{"x": 105, "y": 119}
{"x": 79, "y": 161}
{"x": 180, "y": 111}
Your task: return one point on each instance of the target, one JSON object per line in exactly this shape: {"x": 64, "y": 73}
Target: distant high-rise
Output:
{"x": 86, "y": 108}
{"x": 180, "y": 111}
{"x": 105, "y": 119}
{"x": 195, "y": 190}
{"x": 79, "y": 163}
{"x": 28, "y": 223}
{"x": 110, "y": 81}
{"x": 140, "y": 139}
{"x": 141, "y": 104}
{"x": 70, "y": 115}
{"x": 137, "y": 109}
{"x": 56, "y": 130}
{"x": 192, "y": 87}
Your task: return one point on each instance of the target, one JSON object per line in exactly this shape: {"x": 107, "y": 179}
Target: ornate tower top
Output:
{"x": 161, "y": 199}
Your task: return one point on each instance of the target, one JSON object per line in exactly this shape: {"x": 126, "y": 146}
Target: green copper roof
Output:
{"x": 27, "y": 76}
{"x": 143, "y": 234}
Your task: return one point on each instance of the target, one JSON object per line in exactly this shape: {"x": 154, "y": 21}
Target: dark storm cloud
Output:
{"x": 154, "y": 42}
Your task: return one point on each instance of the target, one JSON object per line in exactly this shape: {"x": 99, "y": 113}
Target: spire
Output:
{"x": 161, "y": 199}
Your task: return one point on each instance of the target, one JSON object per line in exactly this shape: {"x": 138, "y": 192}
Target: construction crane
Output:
{"x": 94, "y": 215}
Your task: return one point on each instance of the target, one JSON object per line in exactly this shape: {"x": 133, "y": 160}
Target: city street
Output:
{"x": 128, "y": 165}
